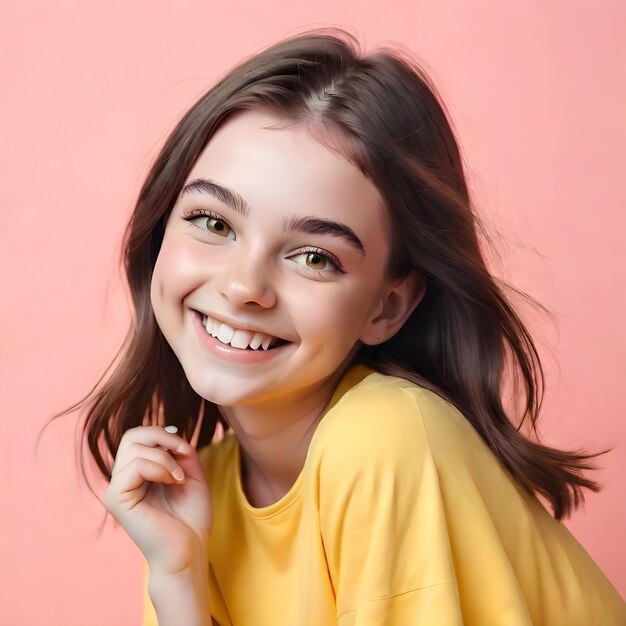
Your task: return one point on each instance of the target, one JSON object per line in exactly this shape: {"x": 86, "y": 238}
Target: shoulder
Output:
{"x": 373, "y": 468}
{"x": 385, "y": 419}
{"x": 389, "y": 410}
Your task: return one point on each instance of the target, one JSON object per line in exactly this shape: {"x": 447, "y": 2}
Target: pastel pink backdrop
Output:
{"x": 536, "y": 92}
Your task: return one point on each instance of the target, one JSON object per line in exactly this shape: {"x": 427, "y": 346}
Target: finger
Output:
{"x": 157, "y": 455}
{"x": 152, "y": 436}
{"x": 170, "y": 429}
{"x": 140, "y": 471}
{"x": 129, "y": 486}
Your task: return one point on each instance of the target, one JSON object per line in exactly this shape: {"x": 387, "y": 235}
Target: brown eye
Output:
{"x": 316, "y": 261}
{"x": 218, "y": 227}
{"x": 213, "y": 224}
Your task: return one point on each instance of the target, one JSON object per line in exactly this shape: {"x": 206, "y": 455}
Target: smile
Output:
{"x": 237, "y": 338}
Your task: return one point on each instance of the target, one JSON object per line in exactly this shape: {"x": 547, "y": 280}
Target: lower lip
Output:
{"x": 228, "y": 353}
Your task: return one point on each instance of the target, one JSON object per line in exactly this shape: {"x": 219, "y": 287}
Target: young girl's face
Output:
{"x": 303, "y": 261}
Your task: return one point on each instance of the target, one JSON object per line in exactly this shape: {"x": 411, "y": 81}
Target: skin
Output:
{"x": 249, "y": 269}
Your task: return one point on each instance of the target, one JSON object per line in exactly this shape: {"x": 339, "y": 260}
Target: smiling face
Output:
{"x": 303, "y": 261}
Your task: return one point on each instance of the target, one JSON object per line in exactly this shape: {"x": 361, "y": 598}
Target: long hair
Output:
{"x": 381, "y": 112}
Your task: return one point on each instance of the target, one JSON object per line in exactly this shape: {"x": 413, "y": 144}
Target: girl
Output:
{"x": 306, "y": 274}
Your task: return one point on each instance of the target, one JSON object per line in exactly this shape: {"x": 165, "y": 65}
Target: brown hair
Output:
{"x": 383, "y": 114}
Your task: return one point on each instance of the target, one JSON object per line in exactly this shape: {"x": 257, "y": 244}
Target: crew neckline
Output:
{"x": 353, "y": 376}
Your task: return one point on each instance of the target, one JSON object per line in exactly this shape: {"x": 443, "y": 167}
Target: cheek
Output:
{"x": 171, "y": 280}
{"x": 158, "y": 294}
{"x": 333, "y": 313}
{"x": 173, "y": 272}
{"x": 156, "y": 287}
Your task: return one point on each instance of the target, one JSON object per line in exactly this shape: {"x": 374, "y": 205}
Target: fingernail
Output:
{"x": 171, "y": 429}
{"x": 178, "y": 473}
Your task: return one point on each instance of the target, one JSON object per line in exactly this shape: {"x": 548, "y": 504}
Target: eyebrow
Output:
{"x": 306, "y": 224}
{"x": 318, "y": 226}
{"x": 223, "y": 194}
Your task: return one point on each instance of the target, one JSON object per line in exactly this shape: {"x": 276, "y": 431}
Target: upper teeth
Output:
{"x": 237, "y": 338}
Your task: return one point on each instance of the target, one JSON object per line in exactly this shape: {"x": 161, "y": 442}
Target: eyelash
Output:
{"x": 331, "y": 257}
{"x": 197, "y": 212}
{"x": 310, "y": 250}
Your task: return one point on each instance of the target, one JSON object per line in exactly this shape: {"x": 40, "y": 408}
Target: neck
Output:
{"x": 274, "y": 440}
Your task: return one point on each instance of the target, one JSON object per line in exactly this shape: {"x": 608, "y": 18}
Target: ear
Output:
{"x": 396, "y": 303}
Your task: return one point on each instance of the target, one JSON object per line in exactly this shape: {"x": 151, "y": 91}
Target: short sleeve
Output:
{"x": 382, "y": 516}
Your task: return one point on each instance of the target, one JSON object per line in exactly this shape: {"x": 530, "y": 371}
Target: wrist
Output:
{"x": 195, "y": 574}
{"x": 181, "y": 599}
{"x": 190, "y": 562}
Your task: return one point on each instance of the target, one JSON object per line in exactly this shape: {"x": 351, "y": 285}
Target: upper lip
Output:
{"x": 237, "y": 325}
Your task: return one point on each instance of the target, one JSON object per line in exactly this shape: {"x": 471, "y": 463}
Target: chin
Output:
{"x": 214, "y": 389}
{"x": 210, "y": 390}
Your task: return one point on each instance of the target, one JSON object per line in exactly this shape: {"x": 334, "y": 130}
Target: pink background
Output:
{"x": 536, "y": 91}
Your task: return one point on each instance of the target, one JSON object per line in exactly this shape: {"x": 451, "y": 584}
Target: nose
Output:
{"x": 245, "y": 280}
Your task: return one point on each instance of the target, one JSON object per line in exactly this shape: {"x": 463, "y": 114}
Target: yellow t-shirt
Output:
{"x": 403, "y": 516}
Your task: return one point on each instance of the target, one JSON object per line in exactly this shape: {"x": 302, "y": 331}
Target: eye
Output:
{"x": 212, "y": 223}
{"x": 219, "y": 227}
{"x": 318, "y": 261}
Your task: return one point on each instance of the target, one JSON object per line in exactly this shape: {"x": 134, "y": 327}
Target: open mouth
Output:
{"x": 241, "y": 339}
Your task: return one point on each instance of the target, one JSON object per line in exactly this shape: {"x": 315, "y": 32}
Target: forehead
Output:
{"x": 287, "y": 171}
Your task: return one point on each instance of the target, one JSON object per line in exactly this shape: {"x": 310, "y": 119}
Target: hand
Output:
{"x": 170, "y": 520}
